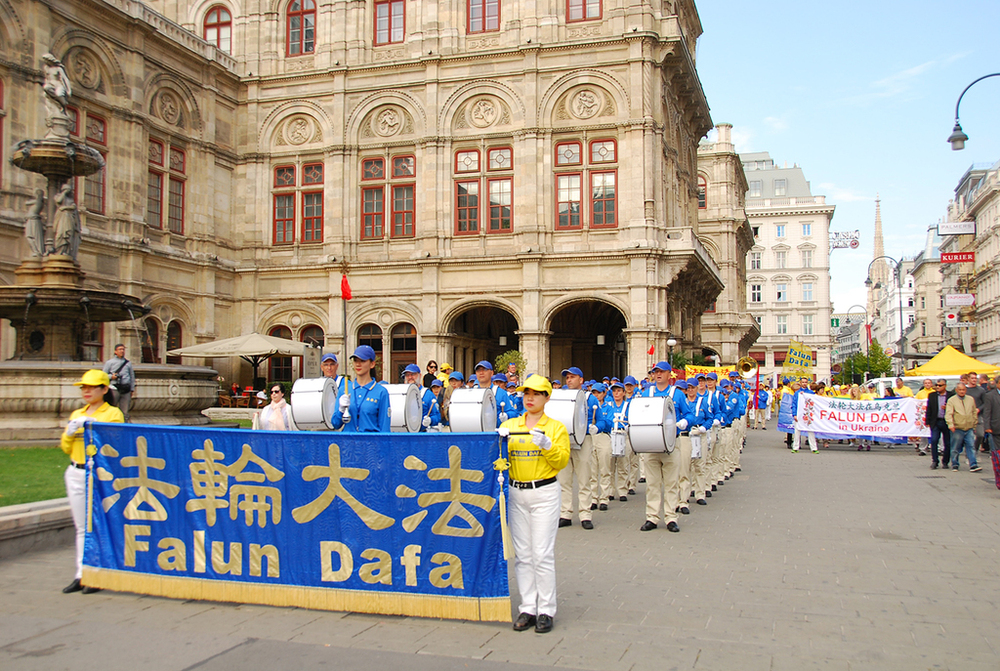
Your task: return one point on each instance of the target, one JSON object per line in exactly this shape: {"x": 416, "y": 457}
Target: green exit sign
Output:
{"x": 835, "y": 322}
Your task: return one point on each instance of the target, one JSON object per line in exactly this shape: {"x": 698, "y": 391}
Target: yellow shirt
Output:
{"x": 528, "y": 462}
{"x": 923, "y": 394}
{"x": 73, "y": 445}
{"x": 867, "y": 396}
{"x": 905, "y": 392}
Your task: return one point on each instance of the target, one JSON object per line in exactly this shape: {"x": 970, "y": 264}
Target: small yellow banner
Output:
{"x": 722, "y": 371}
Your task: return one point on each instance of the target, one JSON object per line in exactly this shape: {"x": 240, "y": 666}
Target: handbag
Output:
{"x": 122, "y": 388}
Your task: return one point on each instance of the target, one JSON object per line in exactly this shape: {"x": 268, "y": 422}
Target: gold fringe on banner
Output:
{"x": 487, "y": 609}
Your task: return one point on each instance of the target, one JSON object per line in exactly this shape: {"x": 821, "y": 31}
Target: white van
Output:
{"x": 915, "y": 383}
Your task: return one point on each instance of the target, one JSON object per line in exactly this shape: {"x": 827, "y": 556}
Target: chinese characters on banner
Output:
{"x": 387, "y": 523}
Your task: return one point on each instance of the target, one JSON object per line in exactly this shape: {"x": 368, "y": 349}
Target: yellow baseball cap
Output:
{"x": 94, "y": 378}
{"x": 446, "y": 366}
{"x": 537, "y": 383}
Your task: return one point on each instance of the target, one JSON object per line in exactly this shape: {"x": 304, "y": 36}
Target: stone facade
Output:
{"x": 532, "y": 186}
{"x": 926, "y": 338}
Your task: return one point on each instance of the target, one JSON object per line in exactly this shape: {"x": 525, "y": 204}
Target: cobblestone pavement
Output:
{"x": 841, "y": 560}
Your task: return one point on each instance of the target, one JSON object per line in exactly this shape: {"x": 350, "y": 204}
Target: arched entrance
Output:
{"x": 481, "y": 332}
{"x": 589, "y": 334}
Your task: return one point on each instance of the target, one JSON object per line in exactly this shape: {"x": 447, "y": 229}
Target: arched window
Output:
{"x": 174, "y": 340}
{"x": 219, "y": 28}
{"x": 404, "y": 350}
{"x": 371, "y": 335}
{"x": 311, "y": 335}
{"x": 281, "y": 366}
{"x": 150, "y": 342}
{"x": 702, "y": 193}
{"x": 301, "y": 20}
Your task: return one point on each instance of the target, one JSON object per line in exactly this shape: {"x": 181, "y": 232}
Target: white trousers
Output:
{"x": 580, "y": 465}
{"x": 76, "y": 490}
{"x": 534, "y": 520}
{"x": 602, "y": 487}
{"x": 797, "y": 440}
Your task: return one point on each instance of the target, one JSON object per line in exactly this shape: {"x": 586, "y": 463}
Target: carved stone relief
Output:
{"x": 586, "y": 104}
{"x": 299, "y": 130}
{"x": 85, "y": 70}
{"x": 168, "y": 107}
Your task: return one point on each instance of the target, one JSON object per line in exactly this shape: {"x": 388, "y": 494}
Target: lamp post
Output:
{"x": 957, "y": 137}
{"x": 867, "y": 344}
{"x": 899, "y": 290}
{"x": 670, "y": 357}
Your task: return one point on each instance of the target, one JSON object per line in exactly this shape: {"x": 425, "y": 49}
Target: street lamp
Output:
{"x": 899, "y": 290}
{"x": 670, "y": 343}
{"x": 957, "y": 137}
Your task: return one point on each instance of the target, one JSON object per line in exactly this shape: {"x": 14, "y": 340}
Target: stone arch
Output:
{"x": 12, "y": 32}
{"x": 170, "y": 100}
{"x": 165, "y": 308}
{"x": 553, "y": 308}
{"x": 607, "y": 83}
{"x": 75, "y": 43}
{"x": 365, "y": 107}
{"x": 385, "y": 314}
{"x": 198, "y": 9}
{"x": 464, "y": 306}
{"x": 481, "y": 87}
{"x": 275, "y": 122}
{"x": 803, "y": 277}
{"x": 589, "y": 331}
{"x": 711, "y": 247}
{"x": 286, "y": 314}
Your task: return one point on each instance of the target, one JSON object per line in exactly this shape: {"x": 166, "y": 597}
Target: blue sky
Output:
{"x": 862, "y": 96}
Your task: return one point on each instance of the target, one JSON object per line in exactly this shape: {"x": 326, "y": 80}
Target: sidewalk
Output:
{"x": 841, "y": 560}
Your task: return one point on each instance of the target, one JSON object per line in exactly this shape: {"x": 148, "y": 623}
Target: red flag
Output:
{"x": 652, "y": 348}
{"x": 345, "y": 288}
{"x": 868, "y": 327}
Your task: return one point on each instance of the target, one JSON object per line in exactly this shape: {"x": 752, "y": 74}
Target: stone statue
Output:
{"x": 34, "y": 227}
{"x": 67, "y": 223}
{"x": 57, "y": 90}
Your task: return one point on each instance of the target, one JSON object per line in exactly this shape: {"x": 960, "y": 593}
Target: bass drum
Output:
{"x": 472, "y": 411}
{"x": 405, "y": 406}
{"x": 314, "y": 400}
{"x": 652, "y": 424}
{"x": 569, "y": 406}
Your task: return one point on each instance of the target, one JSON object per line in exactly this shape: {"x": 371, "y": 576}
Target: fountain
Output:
{"x": 51, "y": 310}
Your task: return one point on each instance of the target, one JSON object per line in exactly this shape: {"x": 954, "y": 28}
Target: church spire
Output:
{"x": 880, "y": 269}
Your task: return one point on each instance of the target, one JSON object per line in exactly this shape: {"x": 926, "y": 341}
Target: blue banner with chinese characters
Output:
{"x": 395, "y": 523}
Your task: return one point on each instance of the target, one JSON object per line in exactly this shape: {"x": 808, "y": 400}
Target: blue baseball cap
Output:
{"x": 618, "y": 384}
{"x": 681, "y": 384}
{"x": 599, "y": 386}
{"x": 455, "y": 375}
{"x": 329, "y": 357}
{"x": 572, "y": 370}
{"x": 412, "y": 368}
{"x": 437, "y": 383}
{"x": 605, "y": 379}
{"x": 713, "y": 376}
{"x": 484, "y": 364}
{"x": 701, "y": 376}
{"x": 364, "y": 353}
{"x": 663, "y": 365}
{"x": 499, "y": 377}
{"x": 630, "y": 379}
{"x": 733, "y": 373}
{"x": 724, "y": 383}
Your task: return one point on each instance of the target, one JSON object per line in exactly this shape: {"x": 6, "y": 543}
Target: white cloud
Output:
{"x": 901, "y": 81}
{"x": 835, "y": 194}
{"x": 743, "y": 139}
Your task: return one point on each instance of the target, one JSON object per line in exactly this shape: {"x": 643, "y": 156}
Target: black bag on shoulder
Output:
{"x": 122, "y": 388}
{"x": 111, "y": 396}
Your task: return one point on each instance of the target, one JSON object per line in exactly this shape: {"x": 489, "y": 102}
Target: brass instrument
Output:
{"x": 747, "y": 367}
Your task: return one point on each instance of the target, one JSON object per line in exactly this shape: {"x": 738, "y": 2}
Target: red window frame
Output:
{"x": 582, "y": 7}
{"x": 579, "y": 148}
{"x": 158, "y": 224}
{"x": 373, "y": 161}
{"x": 163, "y": 152}
{"x": 312, "y": 226}
{"x": 74, "y": 114}
{"x": 280, "y": 367}
{"x": 307, "y": 8}
{"x": 214, "y": 20}
{"x": 179, "y": 228}
{"x": 487, "y": 23}
{"x": 490, "y": 218}
{"x": 175, "y": 340}
{"x": 403, "y": 175}
{"x": 390, "y": 6}
{"x": 613, "y": 200}
{"x": 702, "y": 193}
{"x": 579, "y": 213}
{"x": 312, "y": 174}
{"x": 103, "y": 140}
{"x": 183, "y": 160}
{"x": 395, "y": 217}
{"x": 278, "y": 170}
{"x": 489, "y": 158}
{"x": 614, "y": 145}
{"x": 283, "y": 228}
{"x": 370, "y": 217}
{"x": 468, "y": 171}
{"x": 467, "y": 215}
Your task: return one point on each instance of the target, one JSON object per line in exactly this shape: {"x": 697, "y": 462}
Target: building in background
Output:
{"x": 926, "y": 337}
{"x": 788, "y": 267}
{"x": 894, "y": 301}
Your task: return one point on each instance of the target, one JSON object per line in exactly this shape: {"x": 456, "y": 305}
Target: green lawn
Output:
{"x": 31, "y": 474}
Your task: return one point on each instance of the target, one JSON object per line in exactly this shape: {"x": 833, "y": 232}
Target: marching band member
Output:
{"x": 430, "y": 411}
{"x": 703, "y": 421}
{"x": 506, "y": 405}
{"x": 663, "y": 468}
{"x": 579, "y": 464}
{"x": 367, "y": 403}
{"x": 681, "y": 405}
{"x": 634, "y": 462}
{"x": 538, "y": 451}
{"x": 601, "y": 463}
{"x": 616, "y": 410}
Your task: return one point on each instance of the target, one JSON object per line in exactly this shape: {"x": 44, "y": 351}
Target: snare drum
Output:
{"x": 405, "y": 405}
{"x": 652, "y": 424}
{"x": 569, "y": 406}
{"x": 472, "y": 411}
{"x": 314, "y": 400}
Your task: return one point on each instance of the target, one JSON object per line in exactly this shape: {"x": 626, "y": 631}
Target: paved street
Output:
{"x": 842, "y": 560}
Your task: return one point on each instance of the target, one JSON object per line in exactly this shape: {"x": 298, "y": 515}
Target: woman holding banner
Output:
{"x": 538, "y": 447}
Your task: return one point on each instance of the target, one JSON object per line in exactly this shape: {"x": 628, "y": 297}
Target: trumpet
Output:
{"x": 747, "y": 367}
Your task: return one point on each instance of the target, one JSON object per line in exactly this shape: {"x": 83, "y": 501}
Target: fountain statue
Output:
{"x": 54, "y": 314}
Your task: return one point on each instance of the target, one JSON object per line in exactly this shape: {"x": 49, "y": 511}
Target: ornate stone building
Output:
{"x": 490, "y": 175}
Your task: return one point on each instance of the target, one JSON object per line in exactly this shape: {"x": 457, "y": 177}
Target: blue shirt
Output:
{"x": 430, "y": 409}
{"x": 612, "y": 409}
{"x": 369, "y": 409}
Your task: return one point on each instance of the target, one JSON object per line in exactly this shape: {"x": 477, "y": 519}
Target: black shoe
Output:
{"x": 543, "y": 625}
{"x": 738, "y": 469}
{"x": 685, "y": 510}
{"x": 642, "y": 481}
{"x": 672, "y": 526}
{"x": 714, "y": 488}
{"x": 524, "y": 621}
{"x": 647, "y": 526}
{"x": 708, "y": 495}
{"x": 677, "y": 509}
{"x": 622, "y": 498}
{"x": 692, "y": 495}
{"x": 631, "y": 492}
{"x": 91, "y": 590}
{"x": 563, "y": 522}
{"x": 702, "y": 502}
{"x": 593, "y": 506}
{"x": 603, "y": 506}
{"x": 74, "y": 586}
{"x": 586, "y": 524}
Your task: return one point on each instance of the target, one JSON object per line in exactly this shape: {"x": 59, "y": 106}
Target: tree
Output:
{"x": 879, "y": 364}
{"x": 515, "y": 356}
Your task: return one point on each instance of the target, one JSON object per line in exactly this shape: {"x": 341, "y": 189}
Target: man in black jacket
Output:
{"x": 936, "y": 402}
{"x": 991, "y": 412}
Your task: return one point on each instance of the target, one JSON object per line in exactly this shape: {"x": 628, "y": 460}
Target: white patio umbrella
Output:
{"x": 254, "y": 348}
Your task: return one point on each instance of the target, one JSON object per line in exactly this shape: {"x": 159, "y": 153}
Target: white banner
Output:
{"x": 892, "y": 418}
{"x": 956, "y": 228}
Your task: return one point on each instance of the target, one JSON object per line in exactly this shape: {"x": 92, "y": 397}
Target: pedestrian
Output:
{"x": 976, "y": 391}
{"x": 431, "y": 374}
{"x": 935, "y": 418}
{"x": 277, "y": 415}
{"x": 538, "y": 449}
{"x": 804, "y": 389}
{"x": 600, "y": 463}
{"x": 579, "y": 463}
{"x": 93, "y": 385}
{"x": 663, "y": 469}
{"x": 430, "y": 411}
{"x": 991, "y": 412}
{"x": 962, "y": 415}
{"x": 367, "y": 401}
{"x": 119, "y": 370}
